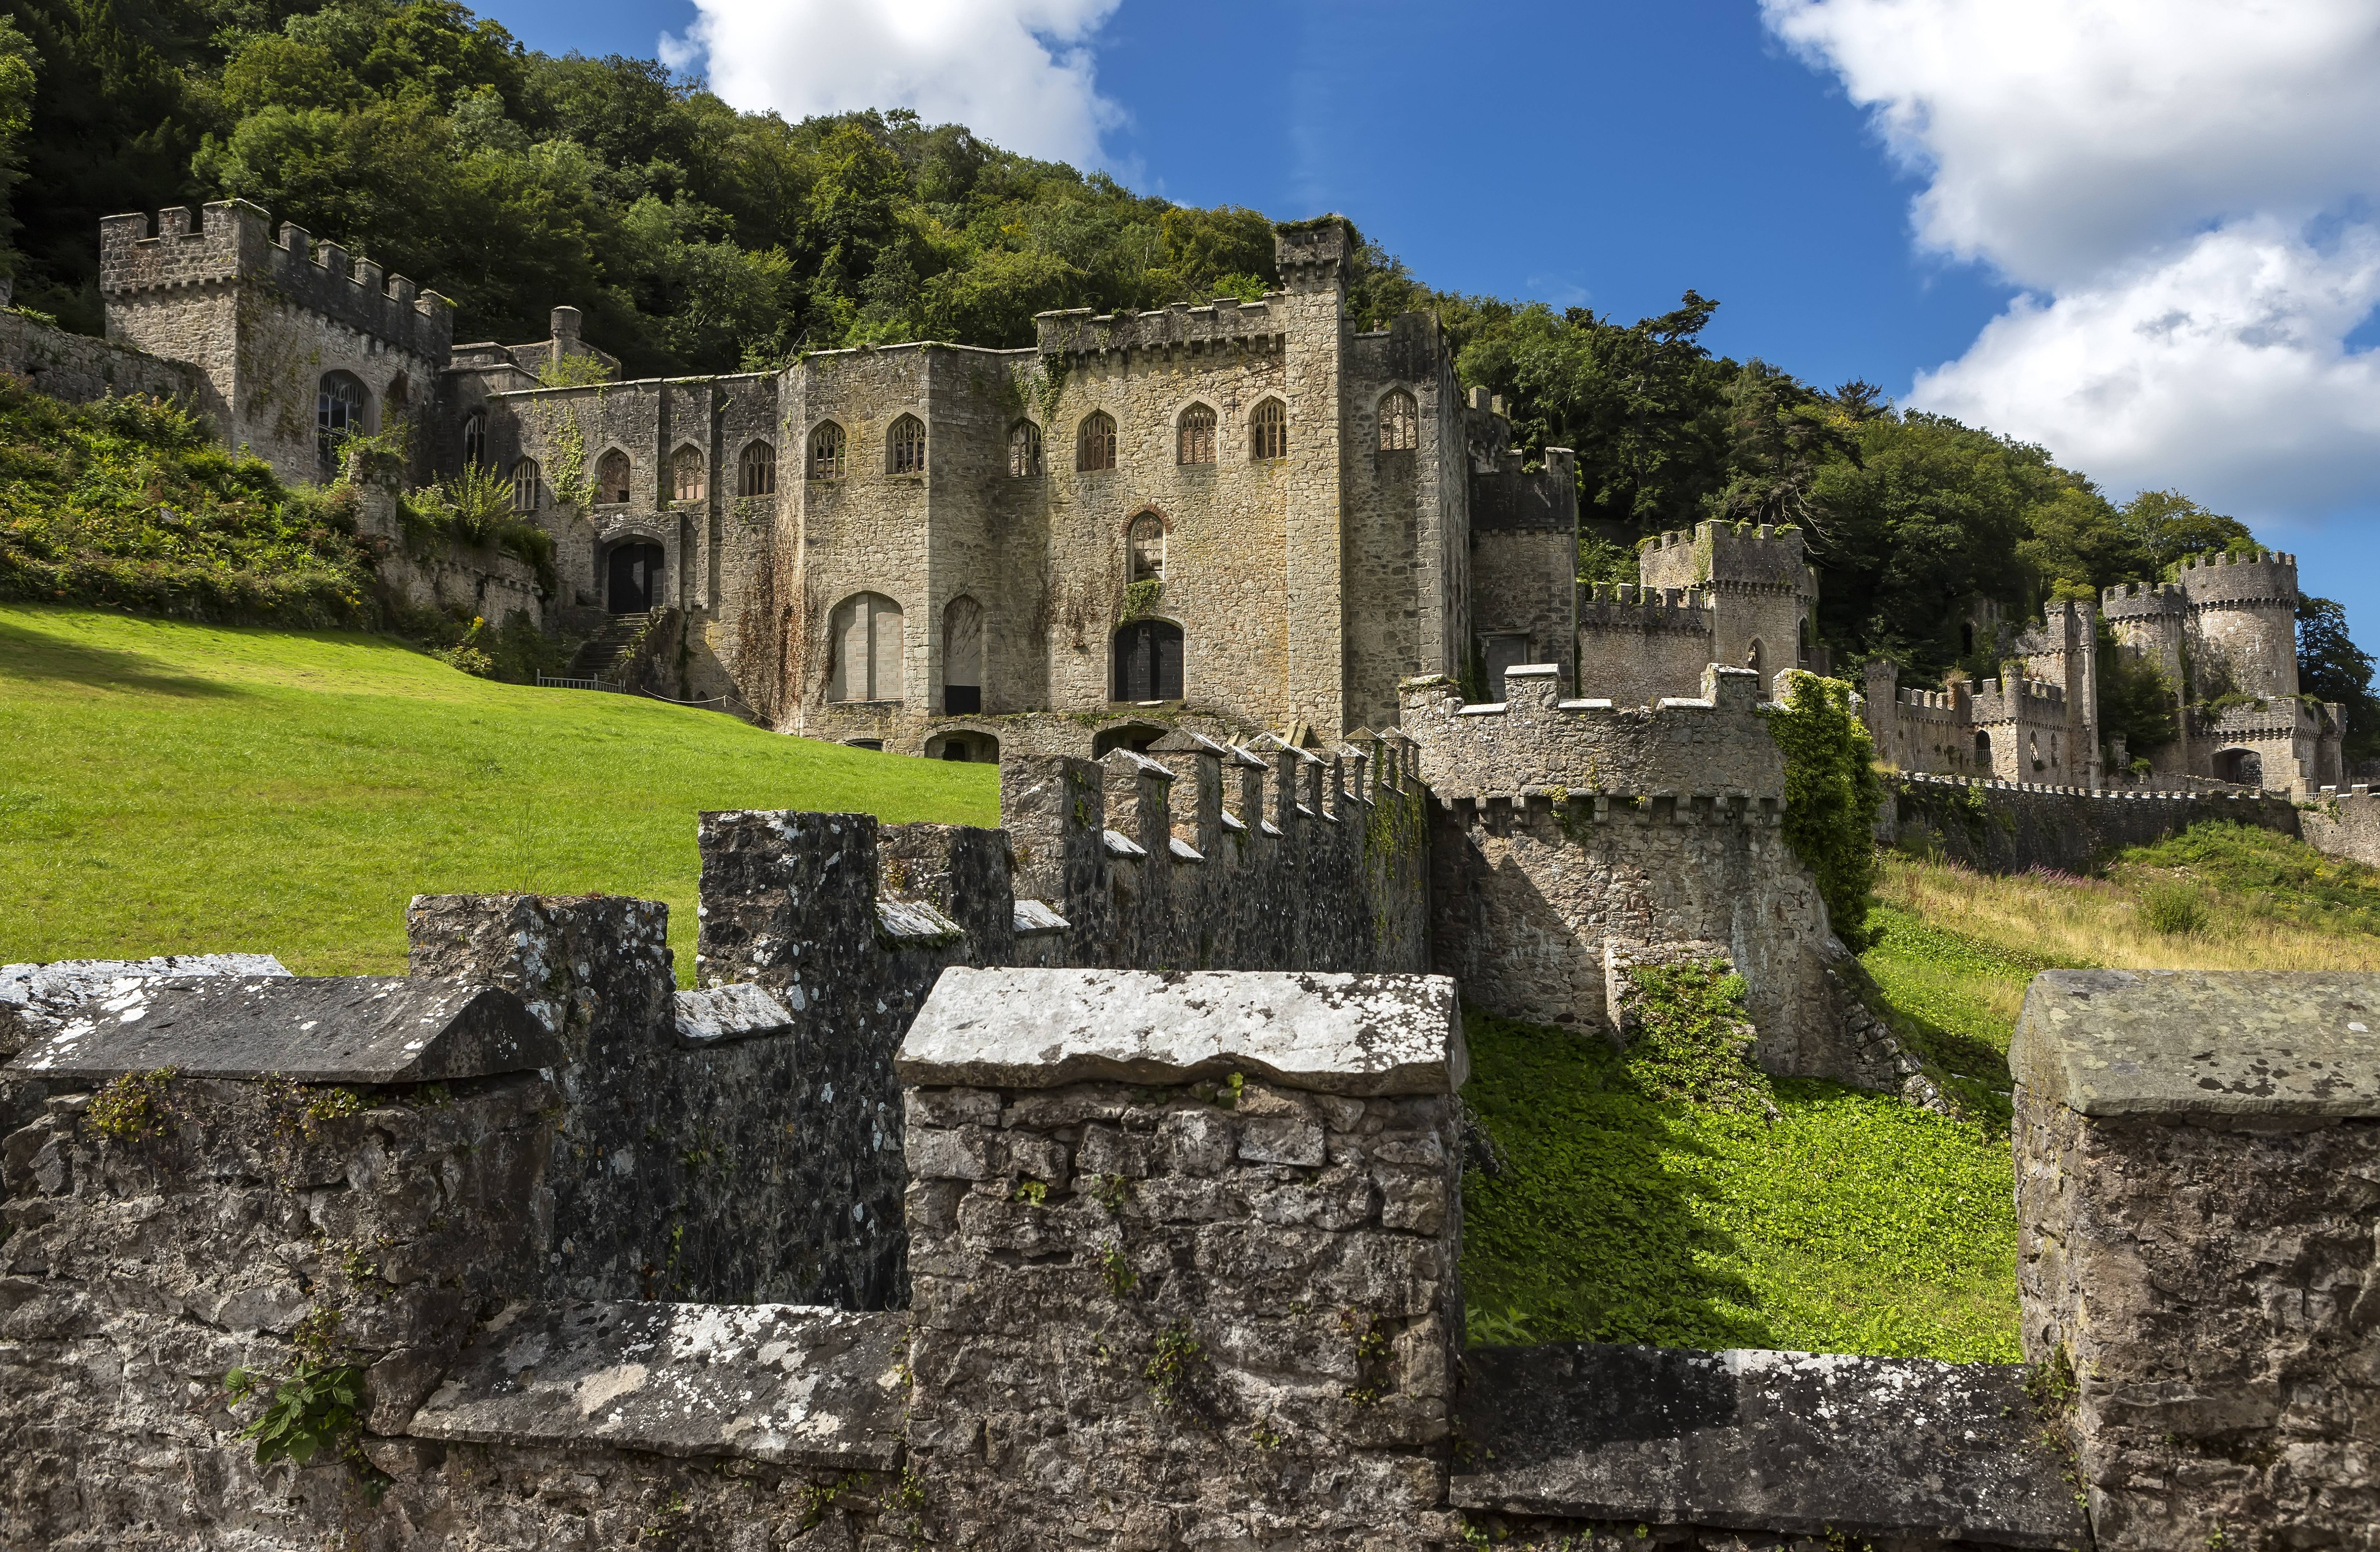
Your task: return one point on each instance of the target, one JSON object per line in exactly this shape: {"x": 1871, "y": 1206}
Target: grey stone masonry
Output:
{"x": 2008, "y": 827}
{"x": 1795, "y": 1443}
{"x": 2198, "y": 1177}
{"x": 1193, "y": 1309}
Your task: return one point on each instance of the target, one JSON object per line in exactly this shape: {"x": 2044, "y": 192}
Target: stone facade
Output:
{"x": 78, "y": 369}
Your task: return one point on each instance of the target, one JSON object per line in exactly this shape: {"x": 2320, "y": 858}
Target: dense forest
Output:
{"x": 699, "y": 238}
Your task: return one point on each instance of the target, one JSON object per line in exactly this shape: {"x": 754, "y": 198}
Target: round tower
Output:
{"x": 2244, "y": 630}
{"x": 2149, "y": 622}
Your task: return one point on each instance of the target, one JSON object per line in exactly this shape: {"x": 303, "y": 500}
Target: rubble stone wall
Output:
{"x": 78, "y": 369}
{"x": 2000, "y": 827}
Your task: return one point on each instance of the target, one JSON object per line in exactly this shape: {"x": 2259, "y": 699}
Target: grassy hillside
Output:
{"x": 173, "y": 787}
{"x": 1834, "y": 1221}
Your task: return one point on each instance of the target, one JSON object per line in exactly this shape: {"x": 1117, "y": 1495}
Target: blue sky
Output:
{"x": 2075, "y": 258}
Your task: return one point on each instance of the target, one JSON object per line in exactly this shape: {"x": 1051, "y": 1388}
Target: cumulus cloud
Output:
{"x": 2184, "y": 191}
{"x": 1017, "y": 72}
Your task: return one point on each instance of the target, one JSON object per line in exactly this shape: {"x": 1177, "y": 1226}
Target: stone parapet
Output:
{"x": 2266, "y": 577}
{"x": 2008, "y": 827}
{"x": 2196, "y": 1157}
{"x": 78, "y": 369}
{"x": 1728, "y": 557}
{"x": 1227, "y": 321}
{"x": 1202, "y": 1306}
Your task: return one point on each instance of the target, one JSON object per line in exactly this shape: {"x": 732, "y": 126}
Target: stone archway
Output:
{"x": 634, "y": 580}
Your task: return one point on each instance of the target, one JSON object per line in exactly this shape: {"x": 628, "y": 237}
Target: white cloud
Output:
{"x": 1017, "y": 72}
{"x": 2185, "y": 188}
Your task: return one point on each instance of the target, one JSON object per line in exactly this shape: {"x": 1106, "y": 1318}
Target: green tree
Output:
{"x": 19, "y": 77}
{"x": 2168, "y": 528}
{"x": 2331, "y": 667}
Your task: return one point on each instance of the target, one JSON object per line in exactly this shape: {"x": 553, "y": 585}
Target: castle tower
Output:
{"x": 2064, "y": 651}
{"x": 2243, "y": 624}
{"x": 299, "y": 345}
{"x": 1757, "y": 583}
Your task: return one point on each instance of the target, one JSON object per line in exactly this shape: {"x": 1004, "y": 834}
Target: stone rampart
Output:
{"x": 2198, "y": 1166}
{"x": 78, "y": 369}
{"x": 2344, "y": 821}
{"x": 2006, "y": 827}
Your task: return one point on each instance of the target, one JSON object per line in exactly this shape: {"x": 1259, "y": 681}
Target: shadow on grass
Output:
{"x": 1585, "y": 1229}
{"x": 31, "y": 654}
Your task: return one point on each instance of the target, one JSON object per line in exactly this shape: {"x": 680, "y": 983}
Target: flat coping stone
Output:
{"x": 37, "y": 998}
{"x": 1796, "y": 1443}
{"x": 2274, "y": 1044}
{"x": 787, "y": 1384}
{"x": 1329, "y": 1033}
{"x": 738, "y": 1010}
{"x": 373, "y": 1029}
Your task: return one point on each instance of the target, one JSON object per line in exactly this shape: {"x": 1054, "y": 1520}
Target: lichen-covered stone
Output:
{"x": 1788, "y": 1443}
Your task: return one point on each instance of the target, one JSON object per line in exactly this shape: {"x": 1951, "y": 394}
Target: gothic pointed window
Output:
{"x": 1023, "y": 450}
{"x": 1269, "y": 430}
{"x": 962, "y": 657}
{"x": 1399, "y": 422}
{"x": 756, "y": 469}
{"x": 612, "y": 472}
{"x": 686, "y": 470}
{"x": 1095, "y": 445}
{"x": 826, "y": 452}
{"x": 338, "y": 415}
{"x": 526, "y": 496}
{"x": 475, "y": 439}
{"x": 905, "y": 447}
{"x": 1145, "y": 540}
{"x": 1194, "y": 436}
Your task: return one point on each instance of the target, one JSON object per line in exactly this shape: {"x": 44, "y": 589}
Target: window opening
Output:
{"x": 339, "y": 415}
{"x": 1145, "y": 539}
{"x": 756, "y": 469}
{"x": 1399, "y": 422}
{"x": 526, "y": 494}
{"x": 612, "y": 479}
{"x": 685, "y": 475}
{"x": 961, "y": 658}
{"x": 906, "y": 446}
{"x": 1023, "y": 450}
{"x": 1269, "y": 430}
{"x": 826, "y": 452}
{"x": 1095, "y": 445}
{"x": 475, "y": 440}
{"x": 1195, "y": 439}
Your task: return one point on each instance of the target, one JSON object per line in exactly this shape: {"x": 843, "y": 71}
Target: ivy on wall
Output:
{"x": 1832, "y": 794}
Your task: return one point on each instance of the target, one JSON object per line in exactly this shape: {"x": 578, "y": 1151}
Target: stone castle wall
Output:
{"x": 2344, "y": 821}
{"x": 1637, "y": 645}
{"x": 2005, "y": 826}
{"x": 78, "y": 369}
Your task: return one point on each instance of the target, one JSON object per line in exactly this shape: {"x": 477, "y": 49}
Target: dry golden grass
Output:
{"x": 2098, "y": 922}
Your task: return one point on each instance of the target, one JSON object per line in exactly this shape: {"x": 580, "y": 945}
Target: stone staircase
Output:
{"x": 599, "y": 657}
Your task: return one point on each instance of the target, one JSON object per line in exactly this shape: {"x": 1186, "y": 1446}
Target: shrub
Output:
{"x": 1832, "y": 793}
{"x": 2173, "y": 908}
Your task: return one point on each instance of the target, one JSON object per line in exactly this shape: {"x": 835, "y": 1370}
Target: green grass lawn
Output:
{"x": 167, "y": 787}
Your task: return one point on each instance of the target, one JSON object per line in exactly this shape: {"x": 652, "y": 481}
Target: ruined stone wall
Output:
{"x": 1570, "y": 839}
{"x": 78, "y": 369}
{"x": 2344, "y": 821}
{"x": 2001, "y": 827}
{"x": 1637, "y": 646}
{"x": 448, "y": 577}
{"x": 2198, "y": 1166}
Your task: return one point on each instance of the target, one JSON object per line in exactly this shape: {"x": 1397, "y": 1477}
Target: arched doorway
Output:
{"x": 2243, "y": 765}
{"x": 635, "y": 578}
{"x": 1149, "y": 660}
{"x": 1984, "y": 751}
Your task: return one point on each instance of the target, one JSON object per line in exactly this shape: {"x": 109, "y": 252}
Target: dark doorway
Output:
{"x": 635, "y": 578}
{"x": 1136, "y": 736}
{"x": 2245, "y": 767}
{"x": 1984, "y": 750}
{"x": 1148, "y": 661}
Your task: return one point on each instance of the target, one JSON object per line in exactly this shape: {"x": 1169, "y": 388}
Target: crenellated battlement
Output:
{"x": 2264, "y": 577}
{"x": 1534, "y": 742}
{"x": 2018, "y": 700}
{"x": 231, "y": 242}
{"x": 1728, "y": 557}
{"x": 1624, "y": 606}
{"x": 1226, "y": 322}
{"x": 2133, "y": 600}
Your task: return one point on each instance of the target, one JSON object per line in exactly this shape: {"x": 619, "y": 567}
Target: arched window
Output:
{"x": 2034, "y": 747}
{"x": 1801, "y": 642}
{"x": 1983, "y": 749}
{"x": 527, "y": 497}
{"x": 756, "y": 468}
{"x": 1095, "y": 445}
{"x": 686, "y": 470}
{"x": 962, "y": 657}
{"x": 1145, "y": 539}
{"x": 1269, "y": 430}
{"x": 339, "y": 415}
{"x": 1399, "y": 422}
{"x": 1194, "y": 436}
{"x": 612, "y": 479}
{"x": 826, "y": 452}
{"x": 865, "y": 642}
{"x": 905, "y": 447}
{"x": 1753, "y": 655}
{"x": 475, "y": 440}
{"x": 1149, "y": 660}
{"x": 1023, "y": 450}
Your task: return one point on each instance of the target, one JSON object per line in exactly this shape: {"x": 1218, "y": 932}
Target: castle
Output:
{"x": 1231, "y": 518}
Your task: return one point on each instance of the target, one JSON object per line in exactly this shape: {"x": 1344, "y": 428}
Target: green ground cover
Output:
{"x": 176, "y": 787}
